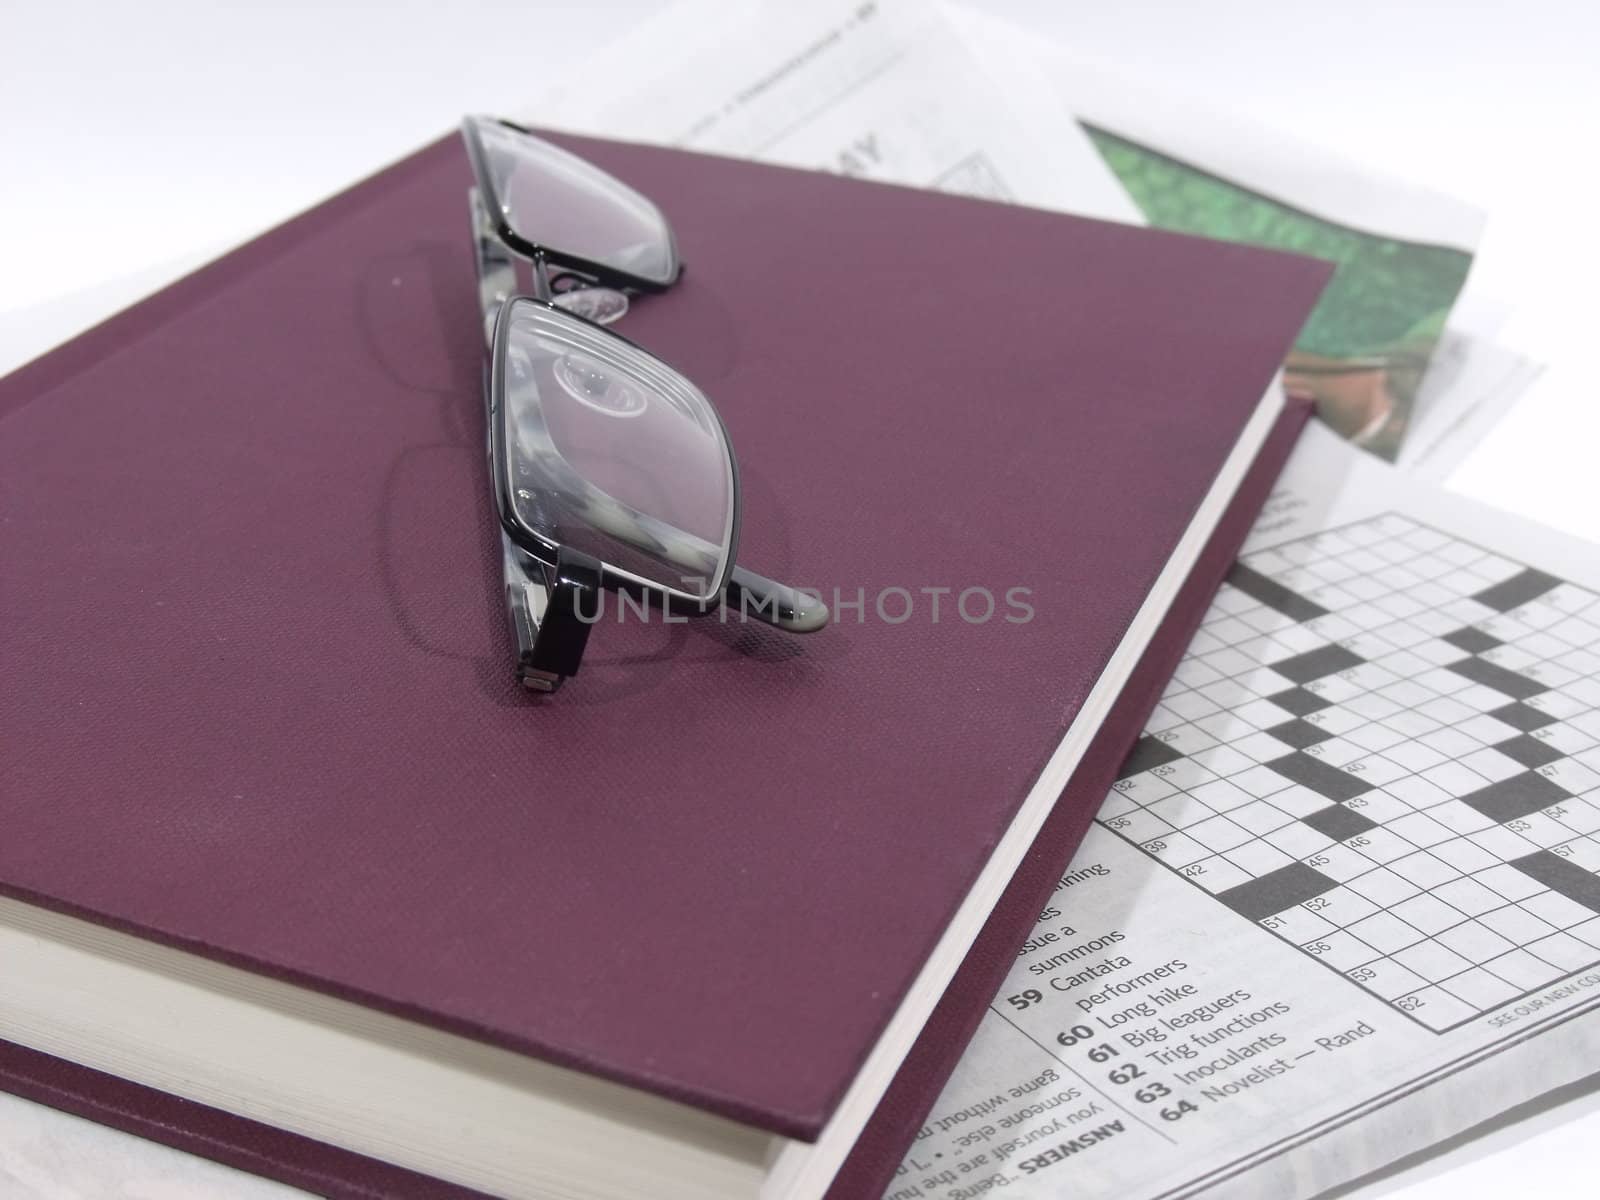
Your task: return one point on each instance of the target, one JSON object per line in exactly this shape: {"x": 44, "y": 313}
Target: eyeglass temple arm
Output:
{"x": 745, "y": 591}
{"x": 552, "y": 610}
{"x": 775, "y": 603}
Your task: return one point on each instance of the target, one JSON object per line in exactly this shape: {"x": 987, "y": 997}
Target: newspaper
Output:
{"x": 943, "y": 97}
{"x": 1349, "y": 927}
{"x": 1344, "y": 901}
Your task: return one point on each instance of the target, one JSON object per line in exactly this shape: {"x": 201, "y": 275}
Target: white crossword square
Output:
{"x": 1221, "y": 795}
{"x": 1215, "y": 874}
{"x": 1342, "y": 906}
{"x": 1420, "y": 830}
{"x": 1298, "y": 840}
{"x": 1258, "y": 858}
{"x": 1469, "y": 896}
{"x": 1425, "y": 870}
{"x": 1299, "y": 926}
{"x": 1382, "y": 845}
{"x": 1341, "y": 951}
{"x": 1432, "y": 961}
{"x": 1524, "y": 971}
{"x": 1557, "y": 910}
{"x": 1573, "y": 776}
{"x": 1436, "y": 1008}
{"x": 1492, "y": 765}
{"x": 1180, "y": 810}
{"x": 1588, "y": 933}
{"x": 1376, "y": 735}
{"x": 1389, "y": 979}
{"x": 1476, "y": 941}
{"x": 1481, "y": 989}
{"x": 1585, "y": 852}
{"x": 1261, "y": 817}
{"x": 1178, "y": 850}
{"x": 1342, "y": 864}
{"x": 1418, "y": 792}
{"x": 1259, "y": 781}
{"x": 1379, "y": 806}
{"x": 1298, "y": 800}
{"x": 1386, "y": 933}
{"x": 1190, "y": 705}
{"x": 1219, "y": 834}
{"x": 1223, "y": 760}
{"x": 1543, "y": 830}
{"x": 1427, "y": 914}
{"x": 1504, "y": 879}
{"x": 1412, "y": 723}
{"x": 1459, "y": 817}
{"x": 1580, "y": 815}
{"x": 1571, "y": 737}
{"x": 1450, "y": 775}
{"x": 1188, "y": 739}
{"x": 1516, "y": 925}
{"x": 1383, "y": 887}
{"x": 1378, "y": 769}
{"x": 1564, "y": 951}
{"x": 1464, "y": 855}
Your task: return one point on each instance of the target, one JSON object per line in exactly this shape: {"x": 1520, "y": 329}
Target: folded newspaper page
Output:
{"x": 943, "y": 97}
{"x": 1344, "y": 901}
{"x": 1472, "y": 382}
{"x": 1348, "y": 892}
{"x": 1403, "y": 252}
{"x": 881, "y": 89}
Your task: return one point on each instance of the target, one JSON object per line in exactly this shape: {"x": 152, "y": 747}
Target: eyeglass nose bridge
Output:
{"x": 497, "y": 277}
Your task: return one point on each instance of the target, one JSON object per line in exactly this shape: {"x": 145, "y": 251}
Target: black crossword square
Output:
{"x": 1300, "y": 702}
{"x": 1314, "y": 664}
{"x": 1299, "y": 734}
{"x": 1527, "y": 584}
{"x": 1147, "y": 752}
{"x": 1473, "y": 641}
{"x": 1492, "y": 675}
{"x": 1276, "y": 891}
{"x": 1522, "y": 716}
{"x": 1326, "y": 780}
{"x": 1563, "y": 876}
{"x": 1273, "y": 594}
{"x": 1338, "y": 822}
{"x": 1516, "y": 797}
{"x": 1529, "y": 751}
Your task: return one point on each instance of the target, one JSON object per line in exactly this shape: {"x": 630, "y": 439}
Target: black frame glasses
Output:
{"x": 650, "y": 508}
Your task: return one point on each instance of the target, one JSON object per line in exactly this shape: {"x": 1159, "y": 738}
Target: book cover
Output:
{"x": 254, "y": 661}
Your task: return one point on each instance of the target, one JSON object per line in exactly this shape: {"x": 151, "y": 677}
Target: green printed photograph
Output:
{"x": 1362, "y": 354}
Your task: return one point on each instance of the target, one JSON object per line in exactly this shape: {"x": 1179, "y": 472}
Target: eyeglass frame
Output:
{"x": 547, "y": 612}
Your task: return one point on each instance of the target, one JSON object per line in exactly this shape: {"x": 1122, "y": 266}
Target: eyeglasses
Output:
{"x": 610, "y": 470}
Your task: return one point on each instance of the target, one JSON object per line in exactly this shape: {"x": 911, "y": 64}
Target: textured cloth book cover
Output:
{"x": 870, "y": 1167}
{"x": 255, "y": 679}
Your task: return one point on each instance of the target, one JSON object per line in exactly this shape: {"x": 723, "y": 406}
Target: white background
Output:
{"x": 137, "y": 140}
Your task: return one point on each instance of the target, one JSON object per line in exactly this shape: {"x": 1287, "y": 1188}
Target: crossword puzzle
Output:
{"x": 1384, "y": 747}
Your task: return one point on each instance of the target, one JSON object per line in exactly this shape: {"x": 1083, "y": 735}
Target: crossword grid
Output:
{"x": 1384, "y": 746}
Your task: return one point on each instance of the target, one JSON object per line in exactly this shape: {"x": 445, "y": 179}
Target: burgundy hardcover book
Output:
{"x": 296, "y": 876}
